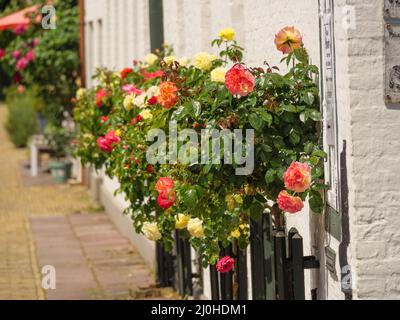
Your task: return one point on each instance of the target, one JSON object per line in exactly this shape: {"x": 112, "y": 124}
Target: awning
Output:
{"x": 19, "y": 18}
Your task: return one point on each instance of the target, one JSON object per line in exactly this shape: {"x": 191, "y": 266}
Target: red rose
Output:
{"x": 166, "y": 202}
{"x": 150, "y": 168}
{"x": 103, "y": 119}
{"x": 152, "y": 100}
{"x": 101, "y": 94}
{"x": 133, "y": 121}
{"x": 151, "y": 75}
{"x": 125, "y": 72}
{"x": 239, "y": 81}
{"x": 2, "y": 53}
{"x": 139, "y": 118}
{"x": 225, "y": 264}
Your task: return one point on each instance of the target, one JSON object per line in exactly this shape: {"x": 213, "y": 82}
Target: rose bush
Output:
{"x": 208, "y": 203}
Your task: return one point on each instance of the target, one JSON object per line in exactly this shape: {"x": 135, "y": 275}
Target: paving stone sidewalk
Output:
{"x": 55, "y": 225}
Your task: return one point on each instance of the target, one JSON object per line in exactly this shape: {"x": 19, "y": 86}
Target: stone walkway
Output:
{"x": 55, "y": 225}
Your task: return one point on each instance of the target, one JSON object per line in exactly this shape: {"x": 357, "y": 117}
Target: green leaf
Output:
{"x": 320, "y": 153}
{"x": 315, "y": 115}
{"x": 315, "y": 201}
{"x": 303, "y": 117}
{"x": 255, "y": 121}
{"x": 294, "y": 137}
{"x": 267, "y": 117}
{"x": 270, "y": 176}
{"x": 256, "y": 210}
{"x": 308, "y": 98}
{"x": 289, "y": 108}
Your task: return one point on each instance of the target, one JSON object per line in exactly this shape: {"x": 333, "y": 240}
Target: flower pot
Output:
{"x": 60, "y": 170}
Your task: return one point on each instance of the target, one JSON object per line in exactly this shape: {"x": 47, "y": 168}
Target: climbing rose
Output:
{"x": 20, "y": 29}
{"x": 288, "y": 39}
{"x": 195, "y": 228}
{"x": 288, "y": 203}
{"x": 103, "y": 119}
{"x": 164, "y": 186}
{"x": 30, "y": 55}
{"x": 2, "y": 53}
{"x": 181, "y": 221}
{"x": 151, "y": 59}
{"x": 113, "y": 136}
{"x": 131, "y": 89}
{"x": 152, "y": 100}
{"x": 166, "y": 202}
{"x": 35, "y": 42}
{"x": 149, "y": 168}
{"x": 104, "y": 145}
{"x": 16, "y": 54}
{"x": 125, "y": 72}
{"x": 225, "y": 264}
{"x": 239, "y": 81}
{"x": 168, "y": 95}
{"x": 151, "y": 231}
{"x": 227, "y": 34}
{"x": 151, "y": 75}
{"x": 298, "y": 177}
{"x": 218, "y": 75}
{"x": 22, "y": 63}
{"x": 101, "y": 94}
{"x": 204, "y": 60}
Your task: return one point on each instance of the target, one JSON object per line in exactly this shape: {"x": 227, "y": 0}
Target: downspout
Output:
{"x": 82, "y": 42}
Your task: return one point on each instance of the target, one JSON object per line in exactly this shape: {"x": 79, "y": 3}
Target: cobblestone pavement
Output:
{"x": 54, "y": 213}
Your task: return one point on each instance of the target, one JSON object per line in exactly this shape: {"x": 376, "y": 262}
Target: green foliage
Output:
{"x": 21, "y": 122}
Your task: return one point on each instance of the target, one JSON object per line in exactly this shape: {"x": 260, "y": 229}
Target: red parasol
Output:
{"x": 17, "y": 19}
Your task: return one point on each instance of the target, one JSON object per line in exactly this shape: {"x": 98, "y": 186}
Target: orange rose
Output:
{"x": 288, "y": 39}
{"x": 288, "y": 203}
{"x": 168, "y": 95}
{"x": 164, "y": 186}
{"x": 298, "y": 177}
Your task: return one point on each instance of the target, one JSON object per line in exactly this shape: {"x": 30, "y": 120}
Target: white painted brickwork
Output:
{"x": 371, "y": 129}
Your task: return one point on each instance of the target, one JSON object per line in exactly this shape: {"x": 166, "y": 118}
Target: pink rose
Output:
{"x": 22, "y": 63}
{"x": 35, "y": 42}
{"x": 20, "y": 29}
{"x": 112, "y": 137}
{"x": 131, "y": 89}
{"x": 16, "y": 54}
{"x": 288, "y": 203}
{"x": 225, "y": 264}
{"x": 101, "y": 95}
{"x": 104, "y": 144}
{"x": 239, "y": 81}
{"x": 164, "y": 186}
{"x": 103, "y": 119}
{"x": 30, "y": 55}
{"x": 298, "y": 177}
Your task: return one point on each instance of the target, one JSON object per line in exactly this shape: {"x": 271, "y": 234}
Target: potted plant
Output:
{"x": 59, "y": 140}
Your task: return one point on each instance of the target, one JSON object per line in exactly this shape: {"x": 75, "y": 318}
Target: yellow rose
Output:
{"x": 218, "y": 75}
{"x": 227, "y": 34}
{"x": 183, "y": 61}
{"x": 128, "y": 102}
{"x": 118, "y": 132}
{"x": 181, "y": 221}
{"x": 203, "y": 60}
{"x": 151, "y": 231}
{"x": 195, "y": 228}
{"x": 80, "y": 93}
{"x": 146, "y": 114}
{"x": 235, "y": 234}
{"x": 151, "y": 59}
{"x": 169, "y": 60}
{"x": 230, "y": 202}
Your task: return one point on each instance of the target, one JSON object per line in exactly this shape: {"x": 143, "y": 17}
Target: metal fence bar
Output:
{"x": 214, "y": 283}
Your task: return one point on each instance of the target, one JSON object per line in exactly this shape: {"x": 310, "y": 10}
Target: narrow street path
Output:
{"x": 53, "y": 225}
